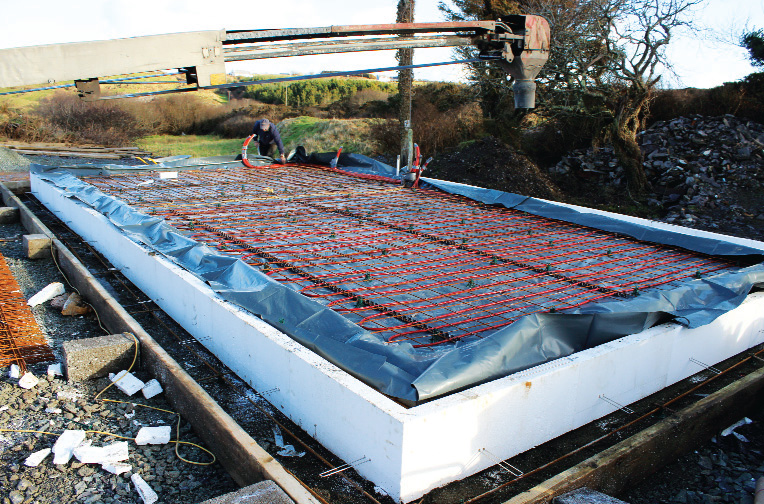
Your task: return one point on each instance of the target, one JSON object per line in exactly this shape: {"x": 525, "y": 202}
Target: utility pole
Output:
{"x": 405, "y": 81}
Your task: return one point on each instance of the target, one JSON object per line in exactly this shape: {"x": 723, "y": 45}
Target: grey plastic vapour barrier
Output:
{"x": 348, "y": 161}
{"x": 411, "y": 374}
{"x": 715, "y": 247}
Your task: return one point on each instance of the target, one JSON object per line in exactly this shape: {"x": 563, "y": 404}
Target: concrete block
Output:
{"x": 90, "y": 358}
{"x": 264, "y": 492}
{"x": 586, "y": 496}
{"x": 9, "y": 215}
{"x": 36, "y": 246}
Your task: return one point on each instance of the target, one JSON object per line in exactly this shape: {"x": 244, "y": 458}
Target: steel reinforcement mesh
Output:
{"x": 21, "y": 341}
{"x": 412, "y": 265}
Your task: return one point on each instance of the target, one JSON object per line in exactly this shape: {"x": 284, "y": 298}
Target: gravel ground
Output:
{"x": 724, "y": 470}
{"x": 55, "y": 405}
{"x": 32, "y": 276}
{"x": 12, "y": 162}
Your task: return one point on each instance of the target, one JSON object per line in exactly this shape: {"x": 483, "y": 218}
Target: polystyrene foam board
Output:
{"x": 414, "y": 450}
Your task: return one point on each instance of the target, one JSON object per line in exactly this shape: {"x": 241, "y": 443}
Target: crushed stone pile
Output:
{"x": 490, "y": 163}
{"x": 705, "y": 172}
{"x": 12, "y": 161}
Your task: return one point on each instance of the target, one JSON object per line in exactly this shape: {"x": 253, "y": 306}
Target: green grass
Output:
{"x": 327, "y": 135}
{"x": 317, "y": 135}
{"x": 294, "y": 131}
{"x": 27, "y": 101}
{"x": 195, "y": 145}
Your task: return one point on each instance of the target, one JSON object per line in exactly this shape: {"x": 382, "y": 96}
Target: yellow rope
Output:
{"x": 177, "y": 441}
{"x": 177, "y": 432}
{"x": 135, "y": 358}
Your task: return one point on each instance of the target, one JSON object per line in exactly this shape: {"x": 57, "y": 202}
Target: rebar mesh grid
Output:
{"x": 21, "y": 341}
{"x": 412, "y": 265}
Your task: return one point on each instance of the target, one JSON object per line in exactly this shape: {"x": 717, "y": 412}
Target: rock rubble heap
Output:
{"x": 705, "y": 172}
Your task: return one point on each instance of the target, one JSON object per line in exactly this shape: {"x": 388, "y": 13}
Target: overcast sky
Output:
{"x": 698, "y": 63}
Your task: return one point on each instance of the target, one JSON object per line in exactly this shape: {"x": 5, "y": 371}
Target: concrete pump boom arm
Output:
{"x": 520, "y": 44}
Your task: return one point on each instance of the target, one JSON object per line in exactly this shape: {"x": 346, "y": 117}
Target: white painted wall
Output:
{"x": 414, "y": 450}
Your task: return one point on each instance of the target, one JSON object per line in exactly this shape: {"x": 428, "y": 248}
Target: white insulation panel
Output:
{"x": 413, "y": 450}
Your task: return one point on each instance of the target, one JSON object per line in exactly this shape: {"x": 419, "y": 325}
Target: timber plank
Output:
{"x": 93, "y": 155}
{"x": 632, "y": 460}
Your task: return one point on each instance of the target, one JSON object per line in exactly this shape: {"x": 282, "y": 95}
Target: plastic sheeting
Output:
{"x": 710, "y": 246}
{"x": 401, "y": 371}
{"x": 356, "y": 163}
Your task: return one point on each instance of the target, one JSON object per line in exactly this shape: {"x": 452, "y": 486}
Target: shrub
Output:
{"x": 237, "y": 126}
{"x": 327, "y": 135}
{"x": 364, "y": 103}
{"x": 104, "y": 123}
{"x": 435, "y": 130}
{"x": 315, "y": 92}
{"x": 445, "y": 95}
{"x": 361, "y": 98}
{"x": 387, "y": 135}
{"x": 17, "y": 125}
{"x": 179, "y": 114}
{"x": 743, "y": 99}
{"x": 548, "y": 139}
{"x": 240, "y": 119}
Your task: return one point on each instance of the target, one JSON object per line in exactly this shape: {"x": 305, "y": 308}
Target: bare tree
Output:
{"x": 638, "y": 32}
{"x": 606, "y": 57}
{"x": 609, "y": 55}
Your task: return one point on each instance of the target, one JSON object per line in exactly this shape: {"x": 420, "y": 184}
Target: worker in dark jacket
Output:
{"x": 267, "y": 137}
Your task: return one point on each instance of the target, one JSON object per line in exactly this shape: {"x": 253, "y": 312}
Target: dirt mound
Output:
{"x": 494, "y": 165}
